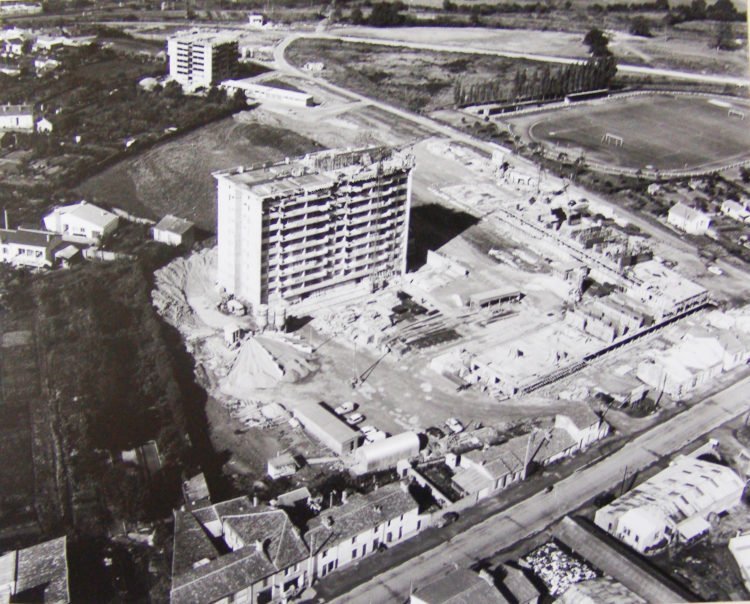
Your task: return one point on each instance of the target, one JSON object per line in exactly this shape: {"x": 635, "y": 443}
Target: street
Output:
{"x": 540, "y": 511}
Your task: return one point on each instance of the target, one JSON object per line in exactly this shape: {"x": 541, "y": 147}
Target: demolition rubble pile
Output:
{"x": 557, "y": 569}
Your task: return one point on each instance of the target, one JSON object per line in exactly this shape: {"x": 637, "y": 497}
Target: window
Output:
{"x": 354, "y": 539}
{"x": 354, "y": 554}
{"x": 419, "y": 524}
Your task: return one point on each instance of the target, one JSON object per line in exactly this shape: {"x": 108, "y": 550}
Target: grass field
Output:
{"x": 175, "y": 177}
{"x": 663, "y": 131}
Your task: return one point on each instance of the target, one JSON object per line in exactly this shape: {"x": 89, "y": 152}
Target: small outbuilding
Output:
{"x": 281, "y": 465}
{"x": 174, "y": 231}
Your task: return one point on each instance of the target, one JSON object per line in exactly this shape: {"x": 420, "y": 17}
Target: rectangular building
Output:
{"x": 29, "y": 248}
{"x": 16, "y": 118}
{"x": 200, "y": 60}
{"x": 306, "y": 228}
{"x": 328, "y": 428}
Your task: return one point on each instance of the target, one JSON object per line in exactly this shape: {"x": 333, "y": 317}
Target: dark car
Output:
{"x": 435, "y": 432}
{"x": 448, "y": 518}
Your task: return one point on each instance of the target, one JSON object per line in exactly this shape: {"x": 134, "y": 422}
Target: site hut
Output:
{"x": 325, "y": 224}
{"x": 671, "y": 506}
{"x": 16, "y": 118}
{"x": 494, "y": 297}
{"x": 281, "y": 465}
{"x": 174, "y": 231}
{"x": 44, "y": 126}
{"x": 256, "y": 20}
{"x": 356, "y": 529}
{"x": 81, "y": 221}
{"x": 200, "y": 60}
{"x": 264, "y": 93}
{"x": 36, "y": 574}
{"x": 28, "y": 248}
{"x": 327, "y": 427}
{"x": 386, "y": 453}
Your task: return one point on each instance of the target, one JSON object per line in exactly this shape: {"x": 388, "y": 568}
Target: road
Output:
{"x": 540, "y": 511}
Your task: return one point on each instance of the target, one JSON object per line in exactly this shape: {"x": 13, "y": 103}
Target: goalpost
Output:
{"x": 613, "y": 139}
{"x": 736, "y": 113}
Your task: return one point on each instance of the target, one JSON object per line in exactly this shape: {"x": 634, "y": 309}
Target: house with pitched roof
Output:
{"x": 236, "y": 551}
{"x": 29, "y": 248}
{"x": 81, "y": 220}
{"x": 35, "y": 574}
{"x": 357, "y": 528}
{"x": 459, "y": 587}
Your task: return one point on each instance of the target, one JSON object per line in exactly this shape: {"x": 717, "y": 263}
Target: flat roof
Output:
{"x": 326, "y": 420}
{"x": 174, "y": 224}
{"x": 16, "y": 110}
{"x": 89, "y": 213}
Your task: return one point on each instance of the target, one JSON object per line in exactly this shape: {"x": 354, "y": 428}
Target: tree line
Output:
{"x": 540, "y": 84}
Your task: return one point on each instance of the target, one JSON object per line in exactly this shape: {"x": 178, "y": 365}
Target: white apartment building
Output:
{"x": 306, "y": 228}
{"x": 16, "y": 118}
{"x": 200, "y": 60}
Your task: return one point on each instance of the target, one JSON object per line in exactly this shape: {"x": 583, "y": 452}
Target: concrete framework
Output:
{"x": 200, "y": 60}
{"x": 303, "y": 229}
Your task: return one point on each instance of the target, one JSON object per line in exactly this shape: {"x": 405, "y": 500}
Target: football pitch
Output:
{"x": 656, "y": 132}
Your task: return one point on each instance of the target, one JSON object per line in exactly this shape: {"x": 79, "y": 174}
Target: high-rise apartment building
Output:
{"x": 299, "y": 229}
{"x": 201, "y": 60}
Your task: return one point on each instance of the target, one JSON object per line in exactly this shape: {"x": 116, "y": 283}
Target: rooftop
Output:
{"x": 601, "y": 589}
{"x": 28, "y": 237}
{"x": 89, "y": 213}
{"x": 460, "y": 587}
{"x": 38, "y": 573}
{"x": 659, "y": 277}
{"x": 313, "y": 171}
{"x": 358, "y": 514}
{"x": 264, "y": 541}
{"x": 16, "y": 110}
{"x": 198, "y": 37}
{"x": 518, "y": 584}
{"x": 336, "y": 428}
{"x": 173, "y": 224}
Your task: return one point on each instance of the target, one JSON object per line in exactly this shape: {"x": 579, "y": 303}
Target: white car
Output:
{"x": 345, "y": 408}
{"x": 367, "y": 430}
{"x": 354, "y": 418}
{"x": 374, "y": 437}
{"x": 454, "y": 425}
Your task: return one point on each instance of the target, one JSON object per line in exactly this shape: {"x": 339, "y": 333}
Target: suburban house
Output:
{"x": 459, "y": 587}
{"x": 672, "y": 505}
{"x": 81, "y": 221}
{"x": 174, "y": 231}
{"x": 16, "y": 118}
{"x": 29, "y": 248}
{"x": 689, "y": 220}
{"x": 44, "y": 126}
{"x": 355, "y": 529}
{"x": 236, "y": 551}
{"x": 35, "y": 574}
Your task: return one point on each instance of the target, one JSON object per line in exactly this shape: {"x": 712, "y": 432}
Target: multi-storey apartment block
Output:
{"x": 306, "y": 228}
{"x": 201, "y": 60}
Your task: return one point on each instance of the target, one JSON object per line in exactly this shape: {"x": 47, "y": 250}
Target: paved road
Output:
{"x": 624, "y": 68}
{"x": 540, "y": 511}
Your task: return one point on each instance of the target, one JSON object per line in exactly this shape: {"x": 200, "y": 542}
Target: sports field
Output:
{"x": 660, "y": 131}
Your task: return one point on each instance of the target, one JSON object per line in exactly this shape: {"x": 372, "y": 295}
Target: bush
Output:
{"x": 640, "y": 26}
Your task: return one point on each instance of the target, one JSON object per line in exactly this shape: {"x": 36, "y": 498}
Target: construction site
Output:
{"x": 524, "y": 292}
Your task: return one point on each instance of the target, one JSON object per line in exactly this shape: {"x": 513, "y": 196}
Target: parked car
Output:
{"x": 454, "y": 425}
{"x": 447, "y": 518}
{"x": 345, "y": 408}
{"x": 366, "y": 430}
{"x": 375, "y": 436}
{"x": 354, "y": 418}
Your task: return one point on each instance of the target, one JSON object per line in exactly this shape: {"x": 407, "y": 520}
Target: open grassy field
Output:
{"x": 415, "y": 79}
{"x": 175, "y": 177}
{"x": 662, "y": 131}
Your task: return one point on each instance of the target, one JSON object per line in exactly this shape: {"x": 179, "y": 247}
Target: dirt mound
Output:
{"x": 264, "y": 362}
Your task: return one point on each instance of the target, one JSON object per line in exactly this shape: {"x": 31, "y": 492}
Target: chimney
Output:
{"x": 485, "y": 576}
{"x": 5, "y": 212}
{"x": 344, "y": 496}
{"x": 255, "y": 501}
{"x": 328, "y": 522}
